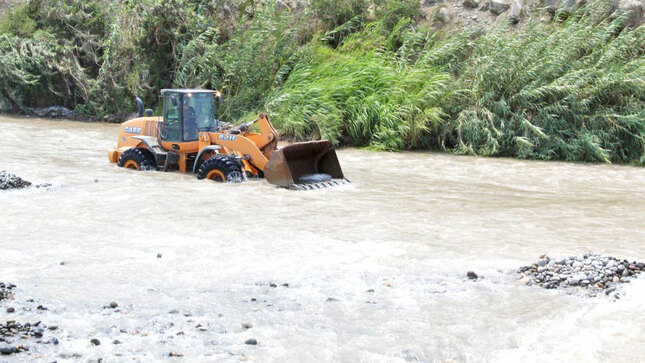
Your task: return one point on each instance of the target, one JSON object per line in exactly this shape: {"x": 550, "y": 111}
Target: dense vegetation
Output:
{"x": 570, "y": 89}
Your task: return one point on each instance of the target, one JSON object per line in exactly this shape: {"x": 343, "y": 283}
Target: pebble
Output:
{"x": 116, "y": 342}
{"x": 247, "y": 326}
{"x": 472, "y": 275}
{"x": 11, "y": 309}
{"x": 158, "y": 255}
{"x": 8, "y": 350}
{"x": 95, "y": 341}
{"x": 175, "y": 354}
{"x": 251, "y": 341}
{"x": 573, "y": 281}
{"x": 113, "y": 304}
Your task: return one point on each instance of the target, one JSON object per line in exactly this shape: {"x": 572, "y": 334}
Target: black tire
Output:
{"x": 221, "y": 168}
{"x": 137, "y": 158}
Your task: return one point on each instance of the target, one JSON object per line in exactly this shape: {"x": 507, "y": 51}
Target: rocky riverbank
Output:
{"x": 592, "y": 273}
{"x": 11, "y": 181}
{"x": 16, "y": 337}
{"x": 59, "y": 112}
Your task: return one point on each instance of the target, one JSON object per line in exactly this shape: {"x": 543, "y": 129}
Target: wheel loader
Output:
{"x": 189, "y": 138}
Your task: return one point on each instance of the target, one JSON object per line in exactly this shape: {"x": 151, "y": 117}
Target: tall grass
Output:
{"x": 367, "y": 96}
{"x": 568, "y": 91}
{"x": 245, "y": 66}
{"x": 571, "y": 91}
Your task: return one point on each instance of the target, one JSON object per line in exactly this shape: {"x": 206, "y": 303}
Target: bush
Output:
{"x": 367, "y": 95}
{"x": 18, "y": 21}
{"x": 575, "y": 91}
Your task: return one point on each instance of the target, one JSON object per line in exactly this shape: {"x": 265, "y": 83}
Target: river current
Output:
{"x": 372, "y": 271}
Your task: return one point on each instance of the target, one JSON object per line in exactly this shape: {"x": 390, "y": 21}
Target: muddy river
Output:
{"x": 372, "y": 271}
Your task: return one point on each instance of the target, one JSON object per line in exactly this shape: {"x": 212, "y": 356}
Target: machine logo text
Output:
{"x": 227, "y": 137}
{"x": 132, "y": 130}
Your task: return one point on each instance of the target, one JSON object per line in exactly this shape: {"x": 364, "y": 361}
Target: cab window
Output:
{"x": 197, "y": 114}
{"x": 171, "y": 129}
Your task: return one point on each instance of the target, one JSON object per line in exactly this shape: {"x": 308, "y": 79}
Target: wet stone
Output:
{"x": 10, "y": 181}
{"x": 8, "y": 350}
{"x": 251, "y": 341}
{"x": 472, "y": 275}
{"x": 590, "y": 271}
{"x": 95, "y": 341}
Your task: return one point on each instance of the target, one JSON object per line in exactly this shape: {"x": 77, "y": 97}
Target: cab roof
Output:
{"x": 185, "y": 90}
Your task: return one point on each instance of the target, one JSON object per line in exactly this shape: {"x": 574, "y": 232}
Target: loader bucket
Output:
{"x": 293, "y": 166}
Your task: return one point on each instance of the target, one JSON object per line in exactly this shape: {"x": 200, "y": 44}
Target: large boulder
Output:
{"x": 516, "y": 11}
{"x": 634, "y": 9}
{"x": 570, "y": 6}
{"x": 550, "y": 5}
{"x": 499, "y": 6}
{"x": 444, "y": 15}
{"x": 471, "y": 3}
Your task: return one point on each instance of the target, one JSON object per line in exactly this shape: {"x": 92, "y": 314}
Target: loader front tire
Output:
{"x": 138, "y": 159}
{"x": 221, "y": 168}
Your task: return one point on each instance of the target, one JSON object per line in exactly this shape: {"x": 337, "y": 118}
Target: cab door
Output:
{"x": 171, "y": 128}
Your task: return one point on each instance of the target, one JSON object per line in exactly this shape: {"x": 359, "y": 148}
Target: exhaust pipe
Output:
{"x": 139, "y": 106}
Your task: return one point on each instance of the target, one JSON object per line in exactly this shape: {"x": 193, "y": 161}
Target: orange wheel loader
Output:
{"x": 188, "y": 138}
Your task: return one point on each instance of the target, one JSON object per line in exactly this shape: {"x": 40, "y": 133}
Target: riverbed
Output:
{"x": 371, "y": 271}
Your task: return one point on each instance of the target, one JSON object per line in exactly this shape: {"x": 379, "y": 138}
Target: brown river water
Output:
{"x": 376, "y": 270}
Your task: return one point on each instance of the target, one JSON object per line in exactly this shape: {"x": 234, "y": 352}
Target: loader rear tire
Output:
{"x": 221, "y": 168}
{"x": 138, "y": 159}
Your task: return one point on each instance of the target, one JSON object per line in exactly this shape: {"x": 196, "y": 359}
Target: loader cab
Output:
{"x": 187, "y": 113}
